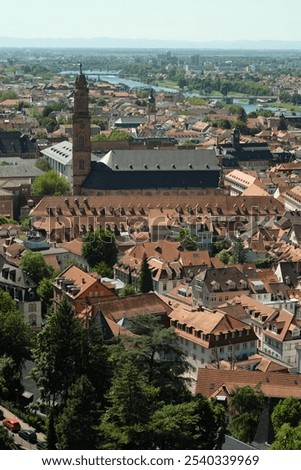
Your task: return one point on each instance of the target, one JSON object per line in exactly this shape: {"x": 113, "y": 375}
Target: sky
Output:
{"x": 190, "y": 20}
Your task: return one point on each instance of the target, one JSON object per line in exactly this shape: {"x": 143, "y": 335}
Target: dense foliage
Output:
{"x": 100, "y": 247}
{"x": 51, "y": 183}
{"x": 145, "y": 276}
{"x": 15, "y": 344}
{"x": 246, "y": 407}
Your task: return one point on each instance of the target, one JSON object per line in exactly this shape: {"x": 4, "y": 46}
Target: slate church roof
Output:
{"x": 132, "y": 169}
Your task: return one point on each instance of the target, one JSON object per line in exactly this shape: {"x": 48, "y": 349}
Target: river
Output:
{"x": 116, "y": 80}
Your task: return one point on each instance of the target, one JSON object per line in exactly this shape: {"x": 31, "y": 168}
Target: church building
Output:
{"x": 126, "y": 169}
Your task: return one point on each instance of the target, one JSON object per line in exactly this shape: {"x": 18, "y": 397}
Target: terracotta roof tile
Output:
{"x": 278, "y": 385}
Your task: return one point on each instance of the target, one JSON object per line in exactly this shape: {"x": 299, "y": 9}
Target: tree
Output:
{"x": 15, "y": 334}
{"x": 128, "y": 289}
{"x": 222, "y": 243}
{"x": 224, "y": 256}
{"x": 58, "y": 354}
{"x": 45, "y": 292}
{"x": 145, "y": 276}
{"x": 182, "y": 83}
{"x": 264, "y": 262}
{"x": 155, "y": 349}
{"x": 285, "y": 97}
{"x": 6, "y": 441}
{"x": 35, "y": 266}
{"x": 287, "y": 438}
{"x": 191, "y": 425}
{"x": 238, "y": 254}
{"x": 222, "y": 123}
{"x": 286, "y": 411}
{"x": 103, "y": 269}
{"x": 187, "y": 240}
{"x": 246, "y": 406}
{"x": 117, "y": 134}
{"x": 282, "y": 126}
{"x": 9, "y": 378}
{"x": 241, "y": 126}
{"x": 51, "y": 183}
{"x": 131, "y": 403}
{"x": 95, "y": 363}
{"x": 51, "y": 438}
{"x": 76, "y": 426}
{"x": 100, "y": 246}
{"x": 25, "y": 222}
{"x": 66, "y": 349}
{"x": 242, "y": 115}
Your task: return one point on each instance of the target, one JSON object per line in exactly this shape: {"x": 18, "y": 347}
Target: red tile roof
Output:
{"x": 272, "y": 384}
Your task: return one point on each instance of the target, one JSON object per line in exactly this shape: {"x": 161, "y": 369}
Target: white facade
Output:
{"x": 199, "y": 356}
{"x": 59, "y": 158}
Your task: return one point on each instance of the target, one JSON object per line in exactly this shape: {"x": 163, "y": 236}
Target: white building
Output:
{"x": 209, "y": 336}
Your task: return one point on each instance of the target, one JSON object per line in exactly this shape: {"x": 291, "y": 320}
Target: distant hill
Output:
{"x": 145, "y": 43}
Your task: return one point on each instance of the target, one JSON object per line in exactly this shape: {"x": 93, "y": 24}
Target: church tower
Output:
{"x": 81, "y": 144}
{"x": 151, "y": 106}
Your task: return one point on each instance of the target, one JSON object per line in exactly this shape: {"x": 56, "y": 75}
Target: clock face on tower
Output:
{"x": 82, "y": 125}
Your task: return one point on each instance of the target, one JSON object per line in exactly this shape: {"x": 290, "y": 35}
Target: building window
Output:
{"x": 32, "y": 308}
{"x": 244, "y": 345}
{"x": 82, "y": 164}
{"x": 33, "y": 320}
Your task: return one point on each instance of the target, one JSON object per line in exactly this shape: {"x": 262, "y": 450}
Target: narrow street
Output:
{"x": 18, "y": 440}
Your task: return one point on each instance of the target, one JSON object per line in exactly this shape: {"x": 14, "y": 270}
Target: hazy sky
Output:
{"x": 190, "y": 20}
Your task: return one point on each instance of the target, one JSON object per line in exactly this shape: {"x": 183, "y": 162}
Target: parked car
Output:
{"x": 41, "y": 445}
{"x": 28, "y": 435}
{"x": 12, "y": 424}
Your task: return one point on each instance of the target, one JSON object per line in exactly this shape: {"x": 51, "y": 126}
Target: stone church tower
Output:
{"x": 81, "y": 144}
{"x": 151, "y": 106}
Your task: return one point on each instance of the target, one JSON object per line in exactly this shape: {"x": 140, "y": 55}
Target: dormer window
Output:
{"x": 215, "y": 285}
{"x": 230, "y": 284}
{"x": 296, "y": 332}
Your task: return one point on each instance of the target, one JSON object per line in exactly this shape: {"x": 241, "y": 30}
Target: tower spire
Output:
{"x": 81, "y": 144}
